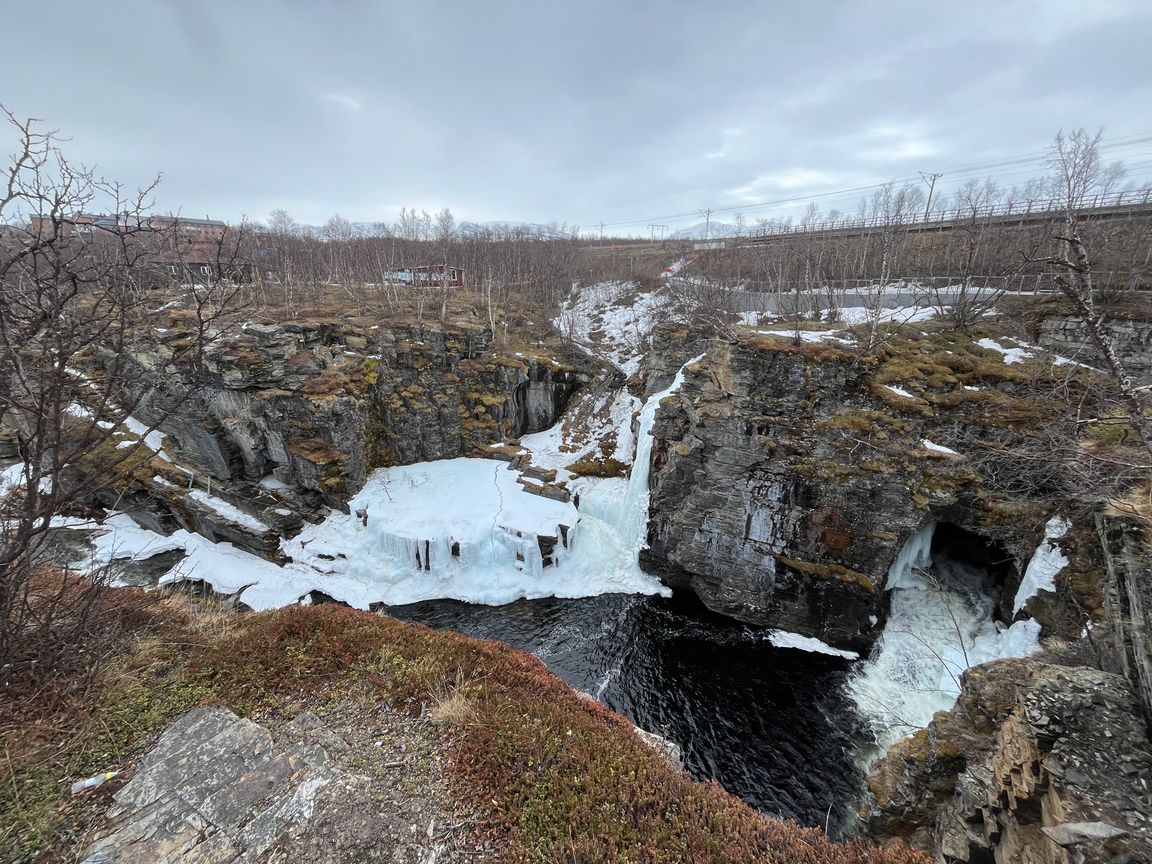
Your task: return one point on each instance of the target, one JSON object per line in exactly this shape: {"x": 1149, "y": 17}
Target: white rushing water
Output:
{"x": 940, "y": 623}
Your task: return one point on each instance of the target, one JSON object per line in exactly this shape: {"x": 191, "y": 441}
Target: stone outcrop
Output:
{"x": 363, "y": 783}
{"x": 1067, "y": 336}
{"x": 1128, "y": 603}
{"x": 215, "y": 788}
{"x": 282, "y": 420}
{"x": 785, "y": 478}
{"x": 1036, "y": 764}
{"x": 320, "y": 406}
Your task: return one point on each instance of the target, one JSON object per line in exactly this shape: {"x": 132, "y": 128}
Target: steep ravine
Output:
{"x": 800, "y": 486}
{"x": 783, "y": 482}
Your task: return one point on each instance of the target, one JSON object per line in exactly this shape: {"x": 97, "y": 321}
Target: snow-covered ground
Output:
{"x": 1011, "y": 355}
{"x": 457, "y": 528}
{"x": 579, "y": 435}
{"x": 1022, "y": 351}
{"x": 810, "y": 336}
{"x": 938, "y": 448}
{"x": 899, "y": 391}
{"x": 852, "y": 316}
{"x": 613, "y": 321}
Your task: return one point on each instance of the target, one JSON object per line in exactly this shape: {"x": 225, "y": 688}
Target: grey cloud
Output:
{"x": 574, "y": 112}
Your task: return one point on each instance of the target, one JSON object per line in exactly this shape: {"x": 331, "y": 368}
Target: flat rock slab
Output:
{"x": 360, "y": 785}
{"x": 214, "y": 789}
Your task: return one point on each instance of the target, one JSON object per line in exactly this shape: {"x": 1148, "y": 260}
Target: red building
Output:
{"x": 192, "y": 246}
{"x": 184, "y": 247}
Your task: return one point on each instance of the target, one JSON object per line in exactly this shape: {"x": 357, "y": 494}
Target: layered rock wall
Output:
{"x": 1066, "y": 335}
{"x": 1129, "y": 604}
{"x": 272, "y": 423}
{"x": 1036, "y": 764}
{"x": 320, "y": 406}
{"x": 785, "y": 478}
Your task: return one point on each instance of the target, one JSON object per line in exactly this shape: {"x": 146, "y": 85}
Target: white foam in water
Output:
{"x": 940, "y": 623}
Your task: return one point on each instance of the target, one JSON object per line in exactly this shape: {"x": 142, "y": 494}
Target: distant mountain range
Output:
{"x": 463, "y": 229}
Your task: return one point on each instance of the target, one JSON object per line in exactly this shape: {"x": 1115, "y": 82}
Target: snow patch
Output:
{"x": 1046, "y": 562}
{"x": 612, "y": 320}
{"x": 810, "y": 336}
{"x": 784, "y": 639}
{"x": 229, "y": 511}
{"x": 855, "y": 315}
{"x": 154, "y": 439}
{"x": 937, "y": 448}
{"x": 900, "y": 391}
{"x": 1011, "y": 355}
{"x": 120, "y": 538}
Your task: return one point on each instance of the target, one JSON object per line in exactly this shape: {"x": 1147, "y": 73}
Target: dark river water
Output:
{"x": 771, "y": 725}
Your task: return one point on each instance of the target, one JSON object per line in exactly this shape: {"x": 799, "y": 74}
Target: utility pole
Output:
{"x": 930, "y": 179}
{"x": 707, "y": 214}
{"x": 662, "y": 228}
{"x": 601, "y": 224}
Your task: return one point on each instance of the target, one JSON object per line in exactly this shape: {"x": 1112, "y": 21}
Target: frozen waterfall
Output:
{"x": 460, "y": 529}
{"x": 940, "y": 623}
{"x": 633, "y": 517}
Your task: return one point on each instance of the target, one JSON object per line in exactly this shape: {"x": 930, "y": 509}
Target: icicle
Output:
{"x": 915, "y": 554}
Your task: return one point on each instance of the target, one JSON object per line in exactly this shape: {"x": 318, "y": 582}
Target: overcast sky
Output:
{"x": 577, "y": 112}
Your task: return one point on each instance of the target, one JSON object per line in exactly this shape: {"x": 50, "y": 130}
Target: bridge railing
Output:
{"x": 920, "y": 291}
{"x": 1023, "y": 210}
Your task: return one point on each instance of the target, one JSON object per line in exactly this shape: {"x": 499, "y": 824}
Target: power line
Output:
{"x": 951, "y": 171}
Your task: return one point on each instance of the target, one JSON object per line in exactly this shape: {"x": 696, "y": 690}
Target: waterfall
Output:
{"x": 940, "y": 623}
{"x": 633, "y": 514}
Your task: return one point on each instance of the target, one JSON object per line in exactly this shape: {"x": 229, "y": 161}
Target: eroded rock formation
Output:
{"x": 786, "y": 477}
{"x": 1036, "y": 763}
{"x": 285, "y": 419}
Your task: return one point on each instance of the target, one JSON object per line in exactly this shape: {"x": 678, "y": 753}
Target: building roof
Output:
{"x": 185, "y": 220}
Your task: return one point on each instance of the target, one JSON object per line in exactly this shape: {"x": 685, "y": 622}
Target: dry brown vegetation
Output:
{"x": 556, "y": 777}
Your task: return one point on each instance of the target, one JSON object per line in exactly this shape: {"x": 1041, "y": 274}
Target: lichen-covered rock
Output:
{"x": 1035, "y": 760}
{"x": 786, "y": 477}
{"x": 320, "y": 405}
{"x": 214, "y": 789}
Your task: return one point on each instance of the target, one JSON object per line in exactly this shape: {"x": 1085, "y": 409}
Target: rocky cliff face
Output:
{"x": 786, "y": 477}
{"x": 1036, "y": 763}
{"x": 283, "y": 419}
{"x": 1129, "y": 605}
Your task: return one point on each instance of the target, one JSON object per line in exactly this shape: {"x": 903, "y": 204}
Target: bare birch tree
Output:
{"x": 1077, "y": 173}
